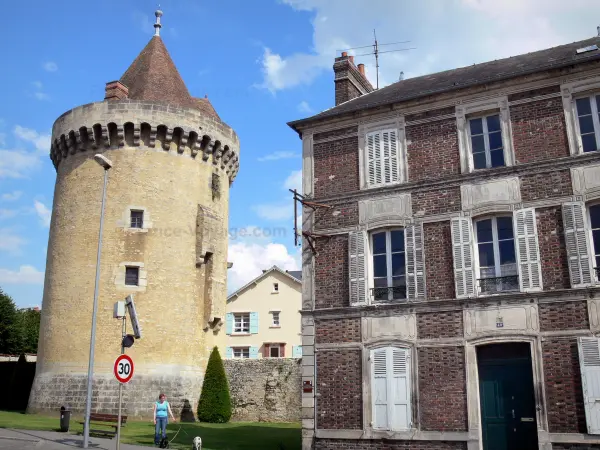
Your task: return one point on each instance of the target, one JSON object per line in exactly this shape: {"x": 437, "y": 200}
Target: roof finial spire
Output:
{"x": 157, "y": 25}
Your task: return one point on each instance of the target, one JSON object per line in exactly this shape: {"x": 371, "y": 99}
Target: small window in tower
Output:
{"x": 275, "y": 288}
{"x": 132, "y": 276}
{"x": 215, "y": 185}
{"x": 137, "y": 218}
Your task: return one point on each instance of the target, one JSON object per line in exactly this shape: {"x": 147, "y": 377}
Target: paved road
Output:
{"x": 48, "y": 440}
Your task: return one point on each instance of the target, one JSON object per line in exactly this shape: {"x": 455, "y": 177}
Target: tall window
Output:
{"x": 137, "y": 219}
{"x": 132, "y": 276}
{"x": 389, "y": 265}
{"x": 589, "y": 123}
{"x": 241, "y": 352}
{"x": 497, "y": 259}
{"x": 595, "y": 226}
{"x": 241, "y": 323}
{"x": 486, "y": 142}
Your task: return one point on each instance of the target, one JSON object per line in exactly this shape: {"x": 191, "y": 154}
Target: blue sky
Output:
{"x": 262, "y": 63}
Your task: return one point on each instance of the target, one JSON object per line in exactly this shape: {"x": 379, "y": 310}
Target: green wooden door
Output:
{"x": 507, "y": 398}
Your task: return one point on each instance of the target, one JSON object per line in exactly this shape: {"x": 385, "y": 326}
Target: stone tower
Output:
{"x": 164, "y": 240}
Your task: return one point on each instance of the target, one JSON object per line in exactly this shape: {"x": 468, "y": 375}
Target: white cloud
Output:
{"x": 41, "y": 96}
{"x": 446, "y": 35}
{"x": 8, "y": 213}
{"x": 278, "y": 155}
{"x": 294, "y": 181}
{"x": 10, "y": 242}
{"x": 143, "y": 22}
{"x": 39, "y": 140}
{"x": 304, "y": 107}
{"x": 50, "y": 66}
{"x": 37, "y": 84}
{"x": 17, "y": 163}
{"x": 11, "y": 196}
{"x": 250, "y": 256}
{"x": 43, "y": 212}
{"x": 2, "y": 138}
{"x": 274, "y": 211}
{"x": 25, "y": 275}
{"x": 283, "y": 210}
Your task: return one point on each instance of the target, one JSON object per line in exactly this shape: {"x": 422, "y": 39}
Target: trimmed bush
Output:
{"x": 215, "y": 403}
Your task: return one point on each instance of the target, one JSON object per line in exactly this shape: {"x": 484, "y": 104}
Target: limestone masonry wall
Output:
{"x": 265, "y": 390}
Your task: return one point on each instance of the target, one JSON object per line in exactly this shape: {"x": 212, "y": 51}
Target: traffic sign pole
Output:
{"x": 123, "y": 328}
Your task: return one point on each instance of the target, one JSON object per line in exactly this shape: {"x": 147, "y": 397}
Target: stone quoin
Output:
{"x": 453, "y": 298}
{"x": 174, "y": 160}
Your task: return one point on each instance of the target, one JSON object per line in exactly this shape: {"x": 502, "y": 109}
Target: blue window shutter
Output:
{"x": 253, "y": 352}
{"x": 228, "y": 353}
{"x": 297, "y": 351}
{"x": 228, "y": 323}
{"x": 254, "y": 323}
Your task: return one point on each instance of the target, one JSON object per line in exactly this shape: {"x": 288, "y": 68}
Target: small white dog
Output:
{"x": 197, "y": 443}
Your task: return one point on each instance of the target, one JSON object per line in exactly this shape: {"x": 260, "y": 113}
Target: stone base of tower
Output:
{"x": 50, "y": 391}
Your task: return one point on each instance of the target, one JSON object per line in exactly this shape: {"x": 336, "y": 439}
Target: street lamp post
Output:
{"x": 106, "y": 165}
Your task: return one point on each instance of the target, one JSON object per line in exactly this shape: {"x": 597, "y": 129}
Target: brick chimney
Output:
{"x": 350, "y": 81}
{"x": 115, "y": 90}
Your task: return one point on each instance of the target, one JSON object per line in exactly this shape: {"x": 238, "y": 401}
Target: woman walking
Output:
{"x": 161, "y": 407}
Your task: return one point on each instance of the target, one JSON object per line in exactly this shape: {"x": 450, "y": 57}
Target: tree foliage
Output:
{"x": 215, "y": 403}
{"x": 9, "y": 330}
{"x": 19, "y": 328}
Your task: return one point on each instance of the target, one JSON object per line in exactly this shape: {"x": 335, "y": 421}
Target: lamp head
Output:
{"x": 103, "y": 161}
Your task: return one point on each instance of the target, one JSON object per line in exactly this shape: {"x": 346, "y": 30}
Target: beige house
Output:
{"x": 263, "y": 317}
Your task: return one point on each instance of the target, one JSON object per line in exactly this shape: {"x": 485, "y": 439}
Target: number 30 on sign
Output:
{"x": 123, "y": 369}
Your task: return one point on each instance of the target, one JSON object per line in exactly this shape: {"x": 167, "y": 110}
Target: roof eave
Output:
{"x": 303, "y": 123}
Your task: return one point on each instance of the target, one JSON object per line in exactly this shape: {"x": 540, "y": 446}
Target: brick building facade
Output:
{"x": 452, "y": 298}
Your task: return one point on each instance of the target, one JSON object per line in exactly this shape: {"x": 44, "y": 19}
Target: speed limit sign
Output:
{"x": 123, "y": 369}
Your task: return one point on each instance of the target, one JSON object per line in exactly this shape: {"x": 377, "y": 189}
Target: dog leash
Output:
{"x": 176, "y": 435}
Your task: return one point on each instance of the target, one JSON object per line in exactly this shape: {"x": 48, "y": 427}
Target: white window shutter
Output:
{"x": 379, "y": 393}
{"x": 357, "y": 247}
{"x": 415, "y": 266}
{"x": 576, "y": 241}
{"x": 528, "y": 253}
{"x": 377, "y": 156}
{"x": 400, "y": 389}
{"x": 589, "y": 362}
{"x": 387, "y": 159}
{"x": 464, "y": 275}
{"x": 394, "y": 156}
{"x": 371, "y": 158}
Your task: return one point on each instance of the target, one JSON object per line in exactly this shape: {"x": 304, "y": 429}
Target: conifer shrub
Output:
{"x": 215, "y": 403}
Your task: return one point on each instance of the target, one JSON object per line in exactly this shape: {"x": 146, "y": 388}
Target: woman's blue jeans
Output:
{"x": 160, "y": 429}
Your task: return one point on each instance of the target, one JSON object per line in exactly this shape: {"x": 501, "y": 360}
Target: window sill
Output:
{"x": 241, "y": 334}
{"x": 367, "y": 187}
{"x": 136, "y": 230}
{"x": 275, "y": 326}
{"x": 275, "y": 292}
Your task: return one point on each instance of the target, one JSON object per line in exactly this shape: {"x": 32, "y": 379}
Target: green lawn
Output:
{"x": 230, "y": 436}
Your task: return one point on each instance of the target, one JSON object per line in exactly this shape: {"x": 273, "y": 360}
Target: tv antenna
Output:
{"x": 376, "y": 51}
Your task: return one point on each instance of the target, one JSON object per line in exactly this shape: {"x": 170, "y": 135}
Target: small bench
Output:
{"x": 107, "y": 421}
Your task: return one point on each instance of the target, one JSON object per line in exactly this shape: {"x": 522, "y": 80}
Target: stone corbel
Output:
{"x": 168, "y": 139}
{"x": 136, "y": 134}
{"x": 214, "y": 323}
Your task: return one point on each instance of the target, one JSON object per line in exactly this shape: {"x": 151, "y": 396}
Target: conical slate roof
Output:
{"x": 153, "y": 77}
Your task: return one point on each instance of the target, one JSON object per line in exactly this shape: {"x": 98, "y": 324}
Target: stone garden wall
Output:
{"x": 265, "y": 390}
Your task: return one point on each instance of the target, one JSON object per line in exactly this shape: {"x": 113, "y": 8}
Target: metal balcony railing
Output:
{"x": 389, "y": 293}
{"x": 499, "y": 284}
